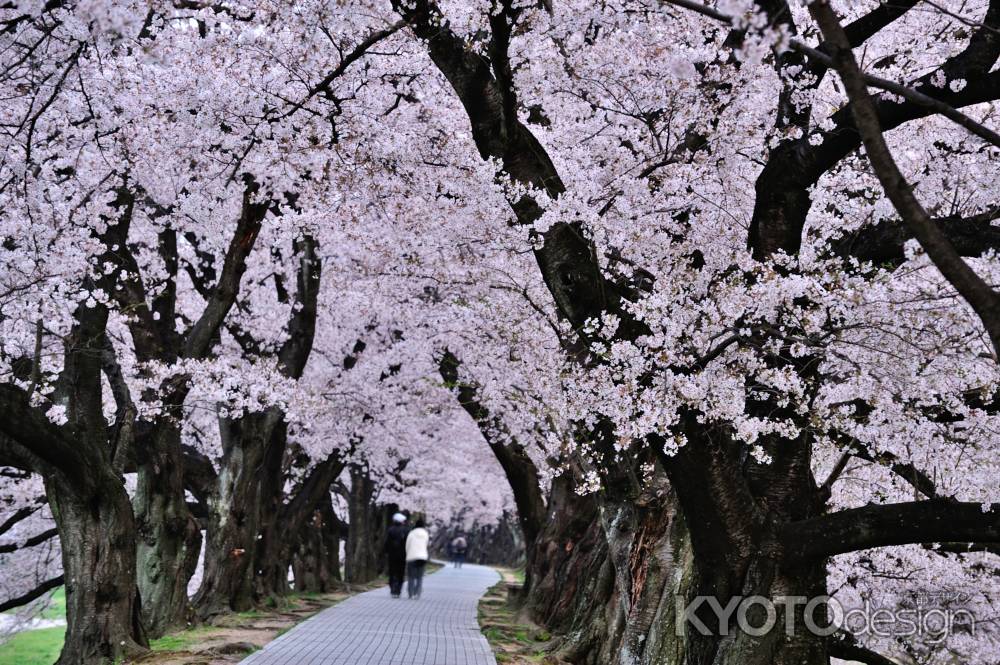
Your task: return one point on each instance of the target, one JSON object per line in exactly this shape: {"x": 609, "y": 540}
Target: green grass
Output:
{"x": 33, "y": 647}
{"x": 57, "y": 605}
{"x": 508, "y": 636}
{"x": 252, "y": 614}
{"x": 38, "y": 647}
{"x": 56, "y": 608}
{"x": 181, "y": 641}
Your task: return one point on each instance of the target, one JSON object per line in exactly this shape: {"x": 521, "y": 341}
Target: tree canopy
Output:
{"x": 732, "y": 261}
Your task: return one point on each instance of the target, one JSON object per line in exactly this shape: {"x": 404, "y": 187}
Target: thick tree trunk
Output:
{"x": 271, "y": 548}
{"x": 733, "y": 515}
{"x": 613, "y": 577}
{"x": 367, "y": 524}
{"x": 169, "y": 538}
{"x": 276, "y": 543}
{"x": 650, "y": 553}
{"x": 234, "y": 516}
{"x": 608, "y": 568}
{"x": 103, "y": 613}
{"x": 316, "y": 559}
{"x": 572, "y": 577}
{"x": 243, "y": 536}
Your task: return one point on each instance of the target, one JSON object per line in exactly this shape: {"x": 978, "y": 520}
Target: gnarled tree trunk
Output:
{"x": 650, "y": 553}
{"x": 234, "y": 515}
{"x": 608, "y": 569}
{"x": 572, "y": 579}
{"x": 248, "y": 488}
{"x": 367, "y": 523}
{"x": 316, "y": 557}
{"x": 97, "y": 532}
{"x": 169, "y": 538}
{"x": 282, "y": 520}
{"x": 270, "y": 551}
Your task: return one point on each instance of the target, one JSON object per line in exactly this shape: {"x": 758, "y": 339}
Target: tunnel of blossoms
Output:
{"x": 675, "y": 303}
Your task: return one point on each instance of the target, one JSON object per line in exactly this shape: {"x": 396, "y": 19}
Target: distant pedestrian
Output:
{"x": 458, "y": 548}
{"x": 395, "y": 550}
{"x": 416, "y": 559}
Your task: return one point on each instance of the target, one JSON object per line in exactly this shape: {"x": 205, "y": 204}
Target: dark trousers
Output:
{"x": 459, "y": 559}
{"x": 415, "y": 578}
{"x": 397, "y": 568}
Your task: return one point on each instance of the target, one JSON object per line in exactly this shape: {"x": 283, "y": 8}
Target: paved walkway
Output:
{"x": 374, "y": 629}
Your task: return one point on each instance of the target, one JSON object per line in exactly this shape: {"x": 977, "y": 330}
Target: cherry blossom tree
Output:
{"x": 731, "y": 390}
{"x": 710, "y": 285}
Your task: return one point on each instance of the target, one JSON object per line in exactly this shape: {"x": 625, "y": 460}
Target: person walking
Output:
{"x": 416, "y": 558}
{"x": 395, "y": 550}
{"x": 458, "y": 548}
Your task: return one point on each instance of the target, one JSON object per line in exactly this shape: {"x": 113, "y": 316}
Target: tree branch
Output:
{"x": 847, "y": 648}
{"x": 517, "y": 465}
{"x": 358, "y": 51}
{"x": 199, "y": 474}
{"x": 883, "y": 244}
{"x": 19, "y": 516}
{"x": 821, "y": 56}
{"x": 983, "y": 299}
{"x": 865, "y": 27}
{"x": 963, "y": 548}
{"x": 127, "y": 287}
{"x": 889, "y": 524}
{"x": 33, "y": 441}
{"x": 37, "y": 539}
{"x": 567, "y": 259}
{"x": 295, "y": 351}
{"x": 34, "y": 594}
{"x": 198, "y": 339}
{"x": 907, "y": 471}
{"x": 125, "y": 413}
{"x": 293, "y": 515}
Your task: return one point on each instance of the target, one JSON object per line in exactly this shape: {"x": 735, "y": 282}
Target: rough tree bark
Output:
{"x": 573, "y": 579}
{"x": 251, "y": 470}
{"x": 299, "y": 515}
{"x": 234, "y": 515}
{"x": 169, "y": 538}
{"x": 367, "y": 523}
{"x": 97, "y": 531}
{"x": 733, "y": 507}
{"x": 270, "y": 563}
{"x": 81, "y": 464}
{"x": 316, "y": 555}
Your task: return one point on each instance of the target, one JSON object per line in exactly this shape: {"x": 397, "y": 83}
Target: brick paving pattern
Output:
{"x": 374, "y": 629}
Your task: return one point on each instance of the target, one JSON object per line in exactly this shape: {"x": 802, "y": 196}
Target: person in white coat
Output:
{"x": 416, "y": 558}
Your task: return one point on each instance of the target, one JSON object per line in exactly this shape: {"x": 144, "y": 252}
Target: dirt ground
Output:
{"x": 514, "y": 638}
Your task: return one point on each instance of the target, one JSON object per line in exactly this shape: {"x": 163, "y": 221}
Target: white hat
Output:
{"x": 399, "y": 518}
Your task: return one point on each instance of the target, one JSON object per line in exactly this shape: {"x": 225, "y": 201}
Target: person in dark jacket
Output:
{"x": 395, "y": 550}
{"x": 458, "y": 547}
